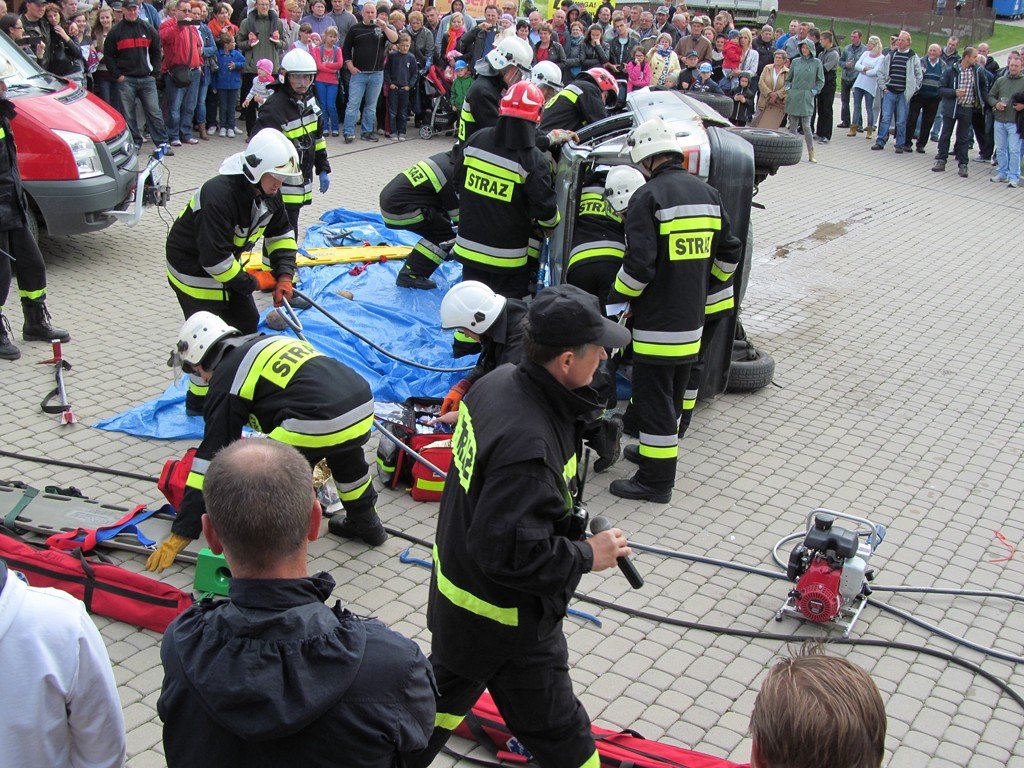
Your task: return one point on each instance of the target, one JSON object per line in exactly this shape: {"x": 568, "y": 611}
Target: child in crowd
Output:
{"x": 743, "y": 96}
{"x": 732, "y": 54}
{"x": 228, "y": 82}
{"x": 400, "y": 72}
{"x": 260, "y": 90}
{"x": 304, "y": 41}
{"x": 706, "y": 83}
{"x": 460, "y": 85}
{"x": 328, "y": 69}
{"x": 639, "y": 70}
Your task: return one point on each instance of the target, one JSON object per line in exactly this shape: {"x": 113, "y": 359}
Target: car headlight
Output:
{"x": 83, "y": 149}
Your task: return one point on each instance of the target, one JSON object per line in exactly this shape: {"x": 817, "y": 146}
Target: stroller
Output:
{"x": 442, "y": 115}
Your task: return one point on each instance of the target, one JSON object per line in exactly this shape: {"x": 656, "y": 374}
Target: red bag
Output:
{"x": 105, "y": 589}
{"x": 173, "y": 477}
{"x": 437, "y": 449}
{"x": 617, "y": 749}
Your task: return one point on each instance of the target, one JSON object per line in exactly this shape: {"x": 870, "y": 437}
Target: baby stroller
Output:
{"x": 442, "y": 115}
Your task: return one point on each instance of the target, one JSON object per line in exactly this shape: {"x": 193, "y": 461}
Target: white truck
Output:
{"x": 751, "y": 11}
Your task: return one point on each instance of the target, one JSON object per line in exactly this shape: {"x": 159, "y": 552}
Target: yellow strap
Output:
{"x": 340, "y": 255}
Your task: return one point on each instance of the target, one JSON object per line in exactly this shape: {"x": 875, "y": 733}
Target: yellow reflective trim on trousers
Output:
{"x": 389, "y": 468}
{"x": 625, "y": 290}
{"x": 665, "y": 350}
{"x": 277, "y": 244}
{"x": 594, "y": 761}
{"x": 393, "y": 222}
{"x": 690, "y": 224}
{"x": 689, "y": 405}
{"x": 429, "y": 485}
{"x": 483, "y": 258}
{"x": 593, "y": 253}
{"x": 300, "y": 440}
{"x": 492, "y": 170}
{"x": 229, "y": 273}
{"x": 32, "y": 294}
{"x": 658, "y": 452}
{"x": 195, "y": 480}
{"x": 423, "y": 250}
{"x": 448, "y": 722}
{"x": 206, "y": 294}
{"x": 470, "y": 602}
{"x": 357, "y": 492}
{"x": 720, "y": 306}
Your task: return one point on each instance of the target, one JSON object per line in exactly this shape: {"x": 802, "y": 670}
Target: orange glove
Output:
{"x": 454, "y": 397}
{"x": 283, "y": 290}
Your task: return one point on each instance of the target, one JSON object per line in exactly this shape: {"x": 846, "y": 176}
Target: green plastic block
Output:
{"x": 212, "y": 573}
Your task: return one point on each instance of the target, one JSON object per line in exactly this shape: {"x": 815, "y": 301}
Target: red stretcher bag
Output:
{"x": 437, "y": 449}
{"x": 617, "y": 749}
{"x": 173, "y": 477}
{"x": 107, "y": 590}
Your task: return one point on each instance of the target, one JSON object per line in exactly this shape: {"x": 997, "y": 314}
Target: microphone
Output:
{"x": 629, "y": 570}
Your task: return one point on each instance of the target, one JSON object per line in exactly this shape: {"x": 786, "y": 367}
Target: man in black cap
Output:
{"x": 509, "y": 549}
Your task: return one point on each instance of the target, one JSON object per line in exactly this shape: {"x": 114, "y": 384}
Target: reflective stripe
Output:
{"x": 453, "y": 214}
{"x": 352, "y": 491}
{"x": 689, "y": 399}
{"x": 449, "y": 722}
{"x": 659, "y": 446}
{"x": 317, "y": 433}
{"x": 280, "y": 242}
{"x": 429, "y": 485}
{"x": 320, "y": 145}
{"x": 723, "y": 270}
{"x": 197, "y": 387}
{"x": 666, "y": 343}
{"x": 626, "y": 285}
{"x": 552, "y": 222}
{"x": 241, "y": 379}
{"x": 224, "y": 270}
{"x": 697, "y": 224}
{"x": 682, "y": 211}
{"x": 595, "y": 249}
{"x": 469, "y": 602}
{"x": 41, "y": 293}
{"x": 594, "y": 761}
{"x": 570, "y": 93}
{"x": 195, "y": 480}
{"x": 426, "y": 170}
{"x": 720, "y": 301}
{"x": 430, "y": 251}
{"x": 482, "y": 158}
{"x": 388, "y": 468}
{"x": 508, "y": 258}
{"x": 205, "y": 288}
{"x": 402, "y": 219}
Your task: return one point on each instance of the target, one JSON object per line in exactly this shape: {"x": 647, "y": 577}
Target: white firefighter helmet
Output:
{"x": 199, "y": 334}
{"x": 546, "y": 74}
{"x": 622, "y": 181}
{"x": 511, "y": 52}
{"x": 298, "y": 62}
{"x": 470, "y": 305}
{"x": 269, "y": 151}
{"x": 651, "y": 137}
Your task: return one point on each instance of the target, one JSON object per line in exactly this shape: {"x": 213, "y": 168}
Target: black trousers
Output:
{"x": 656, "y": 408}
{"x": 594, "y": 277}
{"x": 845, "y": 93}
{"x": 351, "y": 476}
{"x": 511, "y": 283}
{"x": 961, "y": 119}
{"x": 239, "y": 311}
{"x": 983, "y": 133}
{"x": 825, "y": 102}
{"x": 711, "y": 324}
{"x": 534, "y": 694}
{"x": 926, "y": 107}
{"x": 29, "y": 268}
{"x": 426, "y": 256}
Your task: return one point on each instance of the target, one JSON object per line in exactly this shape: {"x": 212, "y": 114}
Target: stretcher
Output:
{"x": 313, "y": 257}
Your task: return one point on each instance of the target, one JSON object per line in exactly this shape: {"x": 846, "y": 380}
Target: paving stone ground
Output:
{"x": 889, "y": 297}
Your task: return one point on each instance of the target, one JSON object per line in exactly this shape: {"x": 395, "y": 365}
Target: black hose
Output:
{"x": 374, "y": 344}
{"x": 76, "y": 465}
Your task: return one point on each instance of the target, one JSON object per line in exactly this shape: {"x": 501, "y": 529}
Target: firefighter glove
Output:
{"x": 242, "y": 283}
{"x": 561, "y": 136}
{"x": 283, "y": 290}
{"x": 164, "y": 554}
{"x": 325, "y": 181}
{"x": 454, "y": 397}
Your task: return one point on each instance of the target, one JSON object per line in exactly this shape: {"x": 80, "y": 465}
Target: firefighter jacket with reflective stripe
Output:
{"x": 13, "y": 205}
{"x": 598, "y": 234}
{"x": 501, "y": 193}
{"x": 576, "y": 105}
{"x": 300, "y": 119}
{"x": 504, "y": 569}
{"x": 503, "y": 341}
{"x": 480, "y": 109}
{"x": 428, "y": 184}
{"x": 284, "y": 388}
{"x": 224, "y": 218}
{"x": 676, "y": 233}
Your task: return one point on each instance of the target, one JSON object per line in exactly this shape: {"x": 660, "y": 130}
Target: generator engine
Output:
{"x": 830, "y": 568}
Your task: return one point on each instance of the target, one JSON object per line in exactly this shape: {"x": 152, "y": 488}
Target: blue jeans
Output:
{"x": 398, "y": 110}
{"x": 859, "y": 94}
{"x": 227, "y": 98}
{"x": 143, "y": 89}
{"x": 109, "y": 92}
{"x": 893, "y": 103}
{"x": 364, "y": 90}
{"x": 204, "y": 86}
{"x": 327, "y": 95}
{"x": 181, "y": 105}
{"x": 1007, "y": 150}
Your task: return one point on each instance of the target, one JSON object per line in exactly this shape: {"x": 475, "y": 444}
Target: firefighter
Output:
{"x": 677, "y": 232}
{"x": 497, "y": 323}
{"x": 224, "y": 218}
{"x": 510, "y": 550}
{"x": 505, "y": 186}
{"x": 19, "y": 251}
{"x": 422, "y": 199}
{"x": 503, "y": 66}
{"x": 547, "y": 76}
{"x": 581, "y": 102}
{"x": 292, "y": 109}
{"x": 286, "y": 389}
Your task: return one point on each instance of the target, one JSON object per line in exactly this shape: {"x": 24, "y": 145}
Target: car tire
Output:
{"x": 772, "y": 149}
{"x": 751, "y": 369}
{"x": 721, "y": 104}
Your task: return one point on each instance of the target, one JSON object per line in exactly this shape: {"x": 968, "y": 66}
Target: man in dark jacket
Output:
{"x": 17, "y": 242}
{"x": 480, "y": 40}
{"x": 963, "y": 90}
{"x": 272, "y": 675}
{"x": 132, "y": 55}
{"x": 510, "y": 550}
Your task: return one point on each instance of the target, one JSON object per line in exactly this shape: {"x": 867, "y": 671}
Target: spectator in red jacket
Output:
{"x": 182, "y": 68}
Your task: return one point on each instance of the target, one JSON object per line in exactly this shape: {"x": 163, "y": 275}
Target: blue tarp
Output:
{"x": 402, "y": 320}
{"x": 342, "y": 227}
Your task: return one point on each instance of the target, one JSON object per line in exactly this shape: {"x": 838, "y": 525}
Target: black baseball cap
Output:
{"x": 130, "y": 3}
{"x": 566, "y": 316}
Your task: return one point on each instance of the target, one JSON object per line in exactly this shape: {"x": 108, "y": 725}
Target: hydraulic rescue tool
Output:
{"x": 830, "y": 568}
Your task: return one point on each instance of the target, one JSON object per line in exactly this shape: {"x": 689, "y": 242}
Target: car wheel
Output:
{"x": 425, "y": 132}
{"x": 721, "y": 104}
{"x": 751, "y": 369}
{"x": 772, "y": 149}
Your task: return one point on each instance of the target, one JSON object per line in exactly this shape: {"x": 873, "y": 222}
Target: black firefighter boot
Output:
{"x": 409, "y": 279}
{"x": 37, "y": 323}
{"x": 8, "y": 350}
{"x": 360, "y": 525}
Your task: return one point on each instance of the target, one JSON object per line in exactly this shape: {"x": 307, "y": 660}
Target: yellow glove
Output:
{"x": 164, "y": 554}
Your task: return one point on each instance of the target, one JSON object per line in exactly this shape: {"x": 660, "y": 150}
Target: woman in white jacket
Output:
{"x": 865, "y": 87}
